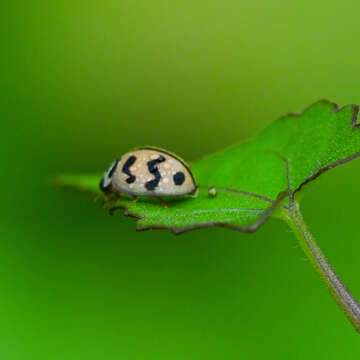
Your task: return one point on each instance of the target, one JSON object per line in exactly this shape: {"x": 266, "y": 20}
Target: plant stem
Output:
{"x": 337, "y": 288}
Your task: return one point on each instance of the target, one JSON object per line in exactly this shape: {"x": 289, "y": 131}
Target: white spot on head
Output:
{"x": 107, "y": 177}
{"x": 106, "y": 181}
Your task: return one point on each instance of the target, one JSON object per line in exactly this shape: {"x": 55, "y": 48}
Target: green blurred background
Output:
{"x": 83, "y": 82}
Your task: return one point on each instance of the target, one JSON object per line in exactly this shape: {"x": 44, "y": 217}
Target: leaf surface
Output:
{"x": 251, "y": 178}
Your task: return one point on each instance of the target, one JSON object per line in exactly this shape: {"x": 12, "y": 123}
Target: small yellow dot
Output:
{"x": 212, "y": 192}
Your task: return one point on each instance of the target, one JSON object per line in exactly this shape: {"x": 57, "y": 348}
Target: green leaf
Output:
{"x": 251, "y": 178}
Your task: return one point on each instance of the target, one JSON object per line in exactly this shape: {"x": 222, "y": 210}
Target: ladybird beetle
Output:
{"x": 149, "y": 172}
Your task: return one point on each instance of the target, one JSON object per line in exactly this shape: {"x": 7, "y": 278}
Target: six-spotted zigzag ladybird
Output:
{"x": 149, "y": 172}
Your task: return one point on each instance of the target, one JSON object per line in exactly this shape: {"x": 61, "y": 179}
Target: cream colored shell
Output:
{"x": 151, "y": 173}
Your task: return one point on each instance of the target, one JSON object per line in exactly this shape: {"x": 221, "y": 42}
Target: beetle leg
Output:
{"x": 113, "y": 209}
{"x": 163, "y": 203}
